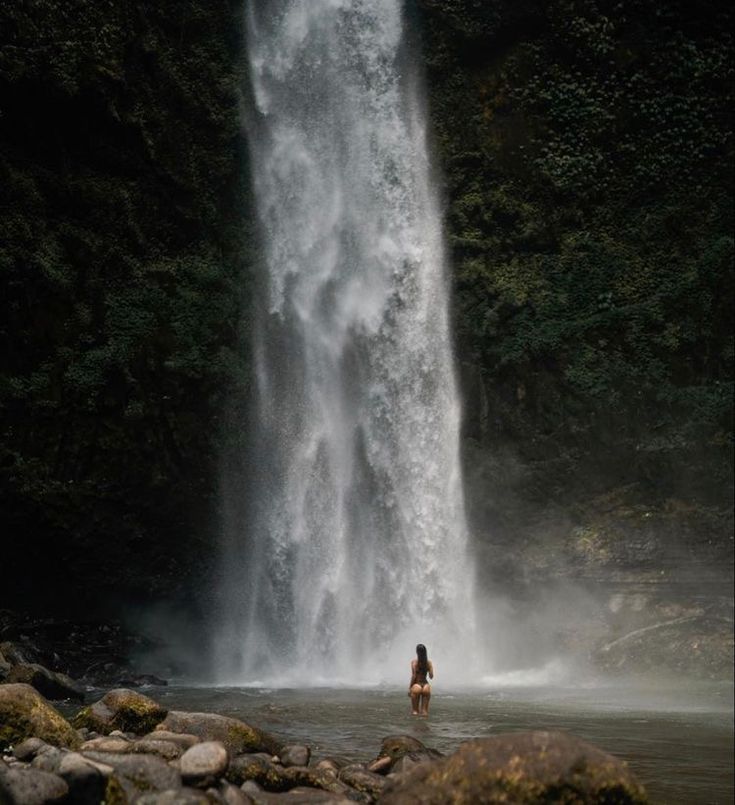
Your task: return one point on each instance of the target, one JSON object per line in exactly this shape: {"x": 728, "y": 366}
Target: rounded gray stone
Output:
{"x": 204, "y": 761}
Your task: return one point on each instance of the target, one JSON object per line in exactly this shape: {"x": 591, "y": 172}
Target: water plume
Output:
{"x": 355, "y": 545}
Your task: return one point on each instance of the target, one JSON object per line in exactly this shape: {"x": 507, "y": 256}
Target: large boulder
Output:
{"x": 24, "y": 713}
{"x": 237, "y": 736}
{"x": 524, "y": 767}
{"x": 51, "y": 684}
{"x": 399, "y": 753}
{"x": 121, "y": 709}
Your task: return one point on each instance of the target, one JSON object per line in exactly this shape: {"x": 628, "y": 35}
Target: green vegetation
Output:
{"x": 587, "y": 150}
{"x": 586, "y": 147}
{"x": 124, "y": 248}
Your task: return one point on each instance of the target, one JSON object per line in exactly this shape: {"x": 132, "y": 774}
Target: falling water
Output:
{"x": 355, "y": 546}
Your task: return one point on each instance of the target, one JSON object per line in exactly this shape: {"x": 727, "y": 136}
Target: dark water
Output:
{"x": 679, "y": 741}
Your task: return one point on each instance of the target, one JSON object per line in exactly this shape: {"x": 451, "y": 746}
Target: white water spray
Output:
{"x": 355, "y": 547}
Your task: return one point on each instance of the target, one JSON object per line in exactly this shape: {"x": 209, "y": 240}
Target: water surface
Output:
{"x": 678, "y": 740}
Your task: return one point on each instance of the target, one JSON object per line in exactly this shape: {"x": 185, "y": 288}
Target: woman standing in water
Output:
{"x": 419, "y": 688}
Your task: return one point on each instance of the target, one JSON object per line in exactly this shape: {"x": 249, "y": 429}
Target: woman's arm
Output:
{"x": 414, "y": 665}
{"x": 431, "y": 670}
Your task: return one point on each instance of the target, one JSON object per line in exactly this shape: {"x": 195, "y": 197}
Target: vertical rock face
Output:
{"x": 357, "y": 530}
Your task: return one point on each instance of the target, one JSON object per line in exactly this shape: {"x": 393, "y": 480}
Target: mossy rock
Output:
{"x": 121, "y": 709}
{"x": 258, "y": 770}
{"x": 523, "y": 768}
{"x": 24, "y": 713}
{"x": 236, "y": 735}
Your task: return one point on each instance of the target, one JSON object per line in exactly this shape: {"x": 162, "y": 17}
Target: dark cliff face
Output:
{"x": 587, "y": 155}
{"x": 586, "y": 151}
{"x": 124, "y": 245}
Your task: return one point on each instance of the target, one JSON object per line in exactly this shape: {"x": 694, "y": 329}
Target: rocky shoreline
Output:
{"x": 126, "y": 748}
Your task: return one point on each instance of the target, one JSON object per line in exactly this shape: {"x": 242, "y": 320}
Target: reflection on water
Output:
{"x": 679, "y": 741}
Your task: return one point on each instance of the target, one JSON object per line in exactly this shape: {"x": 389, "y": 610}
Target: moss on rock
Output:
{"x": 121, "y": 709}
{"x": 526, "y": 767}
{"x": 24, "y": 713}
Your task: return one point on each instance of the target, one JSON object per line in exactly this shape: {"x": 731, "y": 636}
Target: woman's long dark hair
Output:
{"x": 423, "y": 660}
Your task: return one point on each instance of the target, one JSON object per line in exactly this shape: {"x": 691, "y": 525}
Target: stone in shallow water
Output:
{"x": 121, "y": 709}
{"x": 525, "y": 767}
{"x": 236, "y": 735}
{"x": 295, "y": 755}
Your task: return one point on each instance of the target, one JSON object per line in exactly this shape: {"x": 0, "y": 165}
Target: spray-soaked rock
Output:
{"x": 295, "y": 755}
{"x": 366, "y": 782}
{"x": 121, "y": 709}
{"x": 526, "y": 767}
{"x": 236, "y": 735}
{"x": 50, "y": 684}
{"x": 24, "y": 713}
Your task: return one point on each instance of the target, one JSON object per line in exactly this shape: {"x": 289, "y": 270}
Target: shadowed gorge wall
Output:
{"x": 123, "y": 241}
{"x": 586, "y": 155}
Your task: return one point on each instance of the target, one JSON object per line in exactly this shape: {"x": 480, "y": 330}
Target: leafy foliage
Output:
{"x": 587, "y": 149}
{"x": 124, "y": 252}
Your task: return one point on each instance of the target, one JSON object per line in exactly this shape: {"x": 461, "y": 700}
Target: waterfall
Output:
{"x": 355, "y": 545}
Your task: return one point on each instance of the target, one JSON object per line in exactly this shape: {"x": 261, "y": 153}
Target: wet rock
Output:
{"x": 203, "y": 763}
{"x": 50, "y": 684}
{"x": 236, "y": 735}
{"x": 175, "y": 796}
{"x": 411, "y": 760}
{"x": 24, "y": 713}
{"x": 396, "y": 746}
{"x": 299, "y": 776}
{"x": 30, "y": 787}
{"x": 5, "y": 667}
{"x": 107, "y": 744}
{"x": 28, "y": 749}
{"x": 121, "y": 709}
{"x": 300, "y": 796}
{"x": 252, "y": 768}
{"x": 168, "y": 750}
{"x": 181, "y": 739}
{"x": 527, "y": 767}
{"x": 48, "y": 759}
{"x": 229, "y": 794}
{"x": 86, "y": 780}
{"x": 139, "y": 773}
{"x": 18, "y": 653}
{"x": 295, "y": 755}
{"x": 331, "y": 764}
{"x": 366, "y": 782}
{"x": 381, "y": 765}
